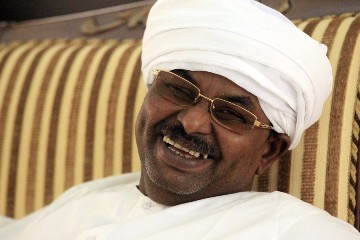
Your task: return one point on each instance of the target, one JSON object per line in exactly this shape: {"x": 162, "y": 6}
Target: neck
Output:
{"x": 169, "y": 198}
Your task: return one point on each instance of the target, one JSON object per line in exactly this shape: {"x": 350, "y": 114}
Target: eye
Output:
{"x": 180, "y": 92}
{"x": 230, "y": 116}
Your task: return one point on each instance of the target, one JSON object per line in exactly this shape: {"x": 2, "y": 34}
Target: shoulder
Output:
{"x": 287, "y": 217}
{"x": 301, "y": 220}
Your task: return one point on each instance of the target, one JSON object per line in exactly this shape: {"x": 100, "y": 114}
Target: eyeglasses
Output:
{"x": 183, "y": 93}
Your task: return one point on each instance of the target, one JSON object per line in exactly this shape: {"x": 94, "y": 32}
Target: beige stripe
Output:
{"x": 30, "y": 136}
{"x": 19, "y": 156}
{"x": 53, "y": 139}
{"x": 73, "y": 93}
{"x": 129, "y": 133}
{"x": 81, "y": 169}
{"x": 310, "y": 141}
{"x": 103, "y": 147}
{"x": 334, "y": 155}
{"x": 48, "y": 62}
{"x": 321, "y": 156}
{"x": 20, "y": 60}
{"x": 91, "y": 119}
{"x": 121, "y": 110}
{"x": 25, "y": 119}
{"x": 333, "y": 39}
{"x": 76, "y": 132}
{"x": 297, "y": 156}
{"x": 324, "y": 32}
{"x": 4, "y": 76}
{"x": 321, "y": 166}
{"x": 255, "y": 184}
{"x": 61, "y": 106}
{"x": 140, "y": 93}
{"x": 112, "y": 164}
{"x": 274, "y": 177}
{"x": 42, "y": 176}
{"x": 60, "y": 130}
{"x": 319, "y": 159}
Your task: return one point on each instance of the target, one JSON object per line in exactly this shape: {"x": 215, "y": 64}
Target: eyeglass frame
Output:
{"x": 256, "y": 123}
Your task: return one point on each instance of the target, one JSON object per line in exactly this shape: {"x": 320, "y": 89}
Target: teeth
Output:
{"x": 196, "y": 154}
{"x": 178, "y": 146}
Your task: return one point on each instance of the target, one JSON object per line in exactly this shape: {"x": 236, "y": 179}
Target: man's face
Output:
{"x": 170, "y": 175}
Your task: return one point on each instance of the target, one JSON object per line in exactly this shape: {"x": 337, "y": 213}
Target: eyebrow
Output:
{"x": 243, "y": 101}
{"x": 184, "y": 74}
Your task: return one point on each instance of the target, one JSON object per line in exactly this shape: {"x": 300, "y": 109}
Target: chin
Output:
{"x": 175, "y": 182}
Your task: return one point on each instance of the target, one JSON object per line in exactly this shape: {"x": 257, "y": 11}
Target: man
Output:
{"x": 232, "y": 86}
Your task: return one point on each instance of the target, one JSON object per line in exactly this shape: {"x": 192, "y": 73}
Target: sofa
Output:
{"x": 68, "y": 107}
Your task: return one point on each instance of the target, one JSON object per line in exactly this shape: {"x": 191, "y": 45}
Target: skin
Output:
{"x": 234, "y": 158}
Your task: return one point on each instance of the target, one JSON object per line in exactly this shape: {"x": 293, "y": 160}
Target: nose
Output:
{"x": 196, "y": 118}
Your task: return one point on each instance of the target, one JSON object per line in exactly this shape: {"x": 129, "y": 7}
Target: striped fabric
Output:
{"x": 67, "y": 112}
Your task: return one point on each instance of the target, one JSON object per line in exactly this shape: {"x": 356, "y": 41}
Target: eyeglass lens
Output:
{"x": 183, "y": 93}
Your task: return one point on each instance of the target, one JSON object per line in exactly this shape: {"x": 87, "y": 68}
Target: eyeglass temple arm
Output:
{"x": 262, "y": 125}
{"x": 156, "y": 72}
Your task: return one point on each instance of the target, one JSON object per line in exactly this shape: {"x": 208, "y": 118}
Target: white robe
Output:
{"x": 113, "y": 208}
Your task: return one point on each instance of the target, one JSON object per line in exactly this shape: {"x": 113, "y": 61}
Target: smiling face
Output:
{"x": 186, "y": 155}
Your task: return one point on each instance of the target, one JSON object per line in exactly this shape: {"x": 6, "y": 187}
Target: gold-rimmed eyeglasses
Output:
{"x": 182, "y": 92}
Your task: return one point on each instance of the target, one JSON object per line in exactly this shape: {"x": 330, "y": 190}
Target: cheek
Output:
{"x": 242, "y": 153}
{"x": 153, "y": 110}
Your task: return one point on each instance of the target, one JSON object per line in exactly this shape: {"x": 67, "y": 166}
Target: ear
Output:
{"x": 277, "y": 145}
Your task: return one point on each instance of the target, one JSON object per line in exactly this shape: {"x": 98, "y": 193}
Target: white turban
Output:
{"x": 252, "y": 45}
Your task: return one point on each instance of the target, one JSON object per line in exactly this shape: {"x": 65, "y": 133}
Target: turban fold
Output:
{"x": 252, "y": 45}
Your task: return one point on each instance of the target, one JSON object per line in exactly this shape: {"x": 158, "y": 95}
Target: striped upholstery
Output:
{"x": 67, "y": 111}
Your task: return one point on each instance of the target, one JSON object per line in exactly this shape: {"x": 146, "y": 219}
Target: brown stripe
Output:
{"x": 357, "y": 188}
{"x": 309, "y": 164}
{"x": 310, "y": 27}
{"x": 4, "y": 107}
{"x": 9, "y": 90}
{"x": 356, "y": 163}
{"x": 310, "y": 139}
{"x": 35, "y": 135}
{"x": 111, "y": 111}
{"x": 12, "y": 181}
{"x": 52, "y": 137}
{"x": 129, "y": 118}
{"x": 74, "y": 116}
{"x": 330, "y": 32}
{"x": 5, "y": 57}
{"x": 91, "y": 115}
{"x": 263, "y": 181}
{"x": 353, "y": 217}
{"x": 331, "y": 187}
{"x": 284, "y": 173}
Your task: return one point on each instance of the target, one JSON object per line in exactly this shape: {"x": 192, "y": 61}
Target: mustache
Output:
{"x": 192, "y": 142}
